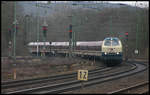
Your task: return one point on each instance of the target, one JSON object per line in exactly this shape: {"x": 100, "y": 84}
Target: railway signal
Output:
{"x": 10, "y": 33}
{"x": 44, "y": 34}
{"x": 70, "y": 31}
{"x": 45, "y": 29}
{"x": 10, "y": 43}
{"x": 9, "y": 48}
{"x": 15, "y": 32}
{"x": 70, "y": 40}
{"x": 126, "y": 36}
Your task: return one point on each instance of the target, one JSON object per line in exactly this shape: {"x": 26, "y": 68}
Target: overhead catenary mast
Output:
{"x": 15, "y": 30}
{"x": 37, "y": 29}
{"x": 136, "y": 27}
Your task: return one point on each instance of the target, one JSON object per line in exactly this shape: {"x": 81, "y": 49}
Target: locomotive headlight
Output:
{"x": 117, "y": 52}
{"x": 105, "y": 53}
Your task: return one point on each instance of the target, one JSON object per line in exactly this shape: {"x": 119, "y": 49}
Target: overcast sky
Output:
{"x": 139, "y": 3}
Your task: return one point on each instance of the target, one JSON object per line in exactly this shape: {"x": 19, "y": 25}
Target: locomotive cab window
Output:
{"x": 111, "y": 42}
{"x": 115, "y": 42}
{"x": 107, "y": 42}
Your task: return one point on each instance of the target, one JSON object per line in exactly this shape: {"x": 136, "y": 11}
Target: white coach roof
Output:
{"x": 38, "y": 43}
{"x": 90, "y": 43}
{"x": 79, "y": 43}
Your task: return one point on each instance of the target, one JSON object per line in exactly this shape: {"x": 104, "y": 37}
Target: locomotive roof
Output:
{"x": 111, "y": 38}
{"x": 38, "y": 43}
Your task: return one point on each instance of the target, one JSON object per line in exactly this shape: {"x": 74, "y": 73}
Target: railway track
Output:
{"x": 75, "y": 84}
{"x": 19, "y": 83}
{"x": 131, "y": 88}
{"x": 19, "y": 57}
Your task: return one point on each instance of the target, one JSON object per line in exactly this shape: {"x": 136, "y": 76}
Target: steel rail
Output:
{"x": 129, "y": 88}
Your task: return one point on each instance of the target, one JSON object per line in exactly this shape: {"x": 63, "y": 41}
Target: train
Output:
{"x": 112, "y": 51}
{"x": 110, "y": 47}
{"x": 35, "y": 47}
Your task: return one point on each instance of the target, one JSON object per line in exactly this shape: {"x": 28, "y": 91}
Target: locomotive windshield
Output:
{"x": 107, "y": 42}
{"x": 115, "y": 42}
{"x": 111, "y": 42}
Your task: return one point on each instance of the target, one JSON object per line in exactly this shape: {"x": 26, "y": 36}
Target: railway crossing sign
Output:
{"x": 83, "y": 75}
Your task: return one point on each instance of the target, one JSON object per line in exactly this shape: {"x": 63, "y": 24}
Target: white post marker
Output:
{"x": 15, "y": 74}
{"x": 136, "y": 51}
{"x": 82, "y": 76}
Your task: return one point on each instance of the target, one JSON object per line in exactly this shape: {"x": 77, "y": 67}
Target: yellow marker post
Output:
{"x": 82, "y": 76}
